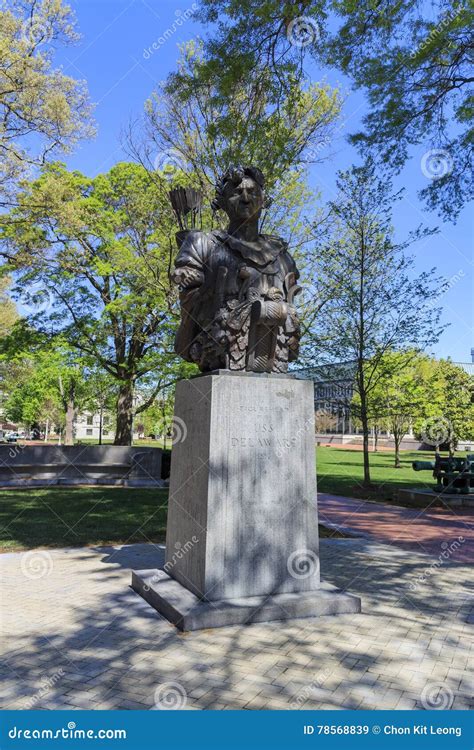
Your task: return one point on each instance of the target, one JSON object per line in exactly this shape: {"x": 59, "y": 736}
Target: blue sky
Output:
{"x": 116, "y": 57}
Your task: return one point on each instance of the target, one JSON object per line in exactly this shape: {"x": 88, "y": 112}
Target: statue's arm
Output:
{"x": 191, "y": 261}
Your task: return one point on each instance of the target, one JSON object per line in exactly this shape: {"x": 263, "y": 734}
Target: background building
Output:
{"x": 333, "y": 392}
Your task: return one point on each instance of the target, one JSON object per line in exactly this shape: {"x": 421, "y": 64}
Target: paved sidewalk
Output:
{"x": 427, "y": 530}
{"x": 76, "y": 636}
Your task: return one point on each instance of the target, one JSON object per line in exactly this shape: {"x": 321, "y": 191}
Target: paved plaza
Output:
{"x": 75, "y": 636}
{"x": 418, "y": 529}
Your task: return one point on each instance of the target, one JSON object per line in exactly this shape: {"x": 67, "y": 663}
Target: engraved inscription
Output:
{"x": 256, "y": 409}
{"x": 269, "y": 436}
{"x": 269, "y": 441}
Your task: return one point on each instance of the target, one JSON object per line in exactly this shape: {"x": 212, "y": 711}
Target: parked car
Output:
{"x": 13, "y": 437}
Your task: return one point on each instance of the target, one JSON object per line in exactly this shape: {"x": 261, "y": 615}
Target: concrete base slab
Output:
{"x": 85, "y": 482}
{"x": 424, "y": 498}
{"x": 188, "y": 612}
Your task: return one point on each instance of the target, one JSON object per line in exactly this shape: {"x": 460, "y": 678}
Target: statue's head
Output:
{"x": 240, "y": 193}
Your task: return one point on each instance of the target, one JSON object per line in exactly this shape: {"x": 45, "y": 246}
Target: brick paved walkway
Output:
{"x": 76, "y": 636}
{"x": 426, "y": 530}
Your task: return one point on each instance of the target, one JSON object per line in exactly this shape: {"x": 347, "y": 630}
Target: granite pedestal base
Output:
{"x": 242, "y": 531}
{"x": 185, "y": 610}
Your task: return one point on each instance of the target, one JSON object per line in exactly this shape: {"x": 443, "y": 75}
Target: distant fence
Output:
{"x": 407, "y": 444}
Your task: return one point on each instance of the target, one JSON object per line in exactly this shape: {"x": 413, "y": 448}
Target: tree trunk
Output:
{"x": 165, "y": 426}
{"x": 68, "y": 399}
{"x": 452, "y": 447}
{"x": 397, "y": 441}
{"x": 360, "y": 367}
{"x": 70, "y": 414}
{"x": 101, "y": 417}
{"x": 365, "y": 432}
{"x": 376, "y": 438}
{"x": 124, "y": 428}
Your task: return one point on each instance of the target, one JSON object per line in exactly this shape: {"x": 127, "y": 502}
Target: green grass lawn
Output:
{"x": 340, "y": 472}
{"x": 81, "y": 516}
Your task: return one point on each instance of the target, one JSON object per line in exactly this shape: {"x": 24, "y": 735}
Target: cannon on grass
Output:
{"x": 454, "y": 475}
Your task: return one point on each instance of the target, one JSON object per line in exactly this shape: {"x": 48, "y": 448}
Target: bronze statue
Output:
{"x": 237, "y": 286}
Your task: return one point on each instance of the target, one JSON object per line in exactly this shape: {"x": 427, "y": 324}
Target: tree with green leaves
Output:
{"x": 42, "y": 110}
{"x": 43, "y": 379}
{"x": 28, "y": 399}
{"x": 413, "y": 60}
{"x": 399, "y": 395}
{"x": 380, "y": 305}
{"x": 448, "y": 414}
{"x": 100, "y": 251}
{"x": 265, "y": 42}
{"x": 8, "y": 310}
{"x": 188, "y": 123}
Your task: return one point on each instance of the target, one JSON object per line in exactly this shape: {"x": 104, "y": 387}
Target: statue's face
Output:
{"x": 243, "y": 202}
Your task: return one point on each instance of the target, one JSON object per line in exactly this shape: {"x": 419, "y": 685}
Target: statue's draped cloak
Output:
{"x": 233, "y": 270}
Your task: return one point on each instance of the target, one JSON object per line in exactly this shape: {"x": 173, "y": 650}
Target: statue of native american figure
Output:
{"x": 237, "y": 286}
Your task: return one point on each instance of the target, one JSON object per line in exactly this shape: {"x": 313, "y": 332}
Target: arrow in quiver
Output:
{"x": 186, "y": 203}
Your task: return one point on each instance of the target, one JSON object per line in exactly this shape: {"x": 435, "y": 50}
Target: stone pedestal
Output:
{"x": 242, "y": 533}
